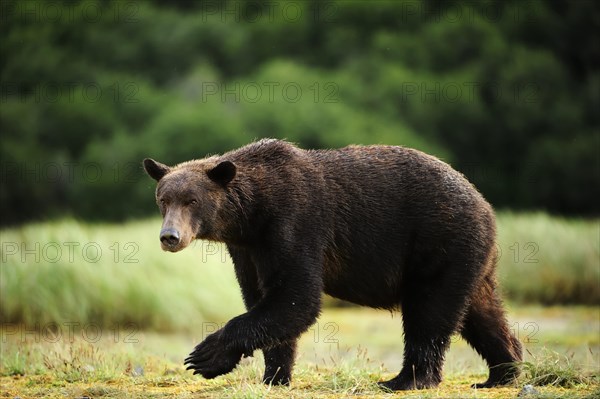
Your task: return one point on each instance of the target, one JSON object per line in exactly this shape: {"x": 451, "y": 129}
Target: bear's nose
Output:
{"x": 169, "y": 237}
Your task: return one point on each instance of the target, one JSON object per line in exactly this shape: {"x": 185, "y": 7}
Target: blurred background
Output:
{"x": 507, "y": 92}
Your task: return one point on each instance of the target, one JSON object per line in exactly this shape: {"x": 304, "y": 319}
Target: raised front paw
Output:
{"x": 211, "y": 359}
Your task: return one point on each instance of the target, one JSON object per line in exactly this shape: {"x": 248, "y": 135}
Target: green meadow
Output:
{"x": 343, "y": 355}
{"x": 110, "y": 274}
{"x": 99, "y": 310}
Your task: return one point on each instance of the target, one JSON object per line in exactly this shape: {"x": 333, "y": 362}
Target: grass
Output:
{"x": 100, "y": 311}
{"x": 328, "y": 365}
{"x": 549, "y": 260}
{"x": 555, "y": 370}
{"x": 70, "y": 272}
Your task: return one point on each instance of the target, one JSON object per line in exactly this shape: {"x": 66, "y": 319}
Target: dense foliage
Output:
{"x": 508, "y": 92}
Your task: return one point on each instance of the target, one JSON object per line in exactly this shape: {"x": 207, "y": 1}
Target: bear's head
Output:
{"x": 192, "y": 198}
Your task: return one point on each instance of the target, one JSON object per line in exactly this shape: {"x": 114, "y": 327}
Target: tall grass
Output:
{"x": 111, "y": 275}
{"x": 551, "y": 368}
{"x": 549, "y": 260}
{"x": 71, "y": 272}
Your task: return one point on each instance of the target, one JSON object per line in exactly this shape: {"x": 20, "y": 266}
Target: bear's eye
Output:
{"x": 193, "y": 202}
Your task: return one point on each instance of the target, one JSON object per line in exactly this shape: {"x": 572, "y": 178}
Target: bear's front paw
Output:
{"x": 211, "y": 359}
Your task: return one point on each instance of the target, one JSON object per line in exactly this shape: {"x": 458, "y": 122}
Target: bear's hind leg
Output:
{"x": 279, "y": 361}
{"x": 430, "y": 313}
{"x": 485, "y": 328}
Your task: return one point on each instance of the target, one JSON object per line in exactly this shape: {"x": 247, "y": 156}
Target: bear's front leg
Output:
{"x": 290, "y": 303}
{"x": 212, "y": 358}
{"x": 279, "y": 359}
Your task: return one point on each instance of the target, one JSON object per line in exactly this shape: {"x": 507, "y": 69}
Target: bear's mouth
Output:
{"x": 174, "y": 248}
{"x": 167, "y": 248}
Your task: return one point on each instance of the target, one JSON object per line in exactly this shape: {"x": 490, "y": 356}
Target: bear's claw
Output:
{"x": 211, "y": 359}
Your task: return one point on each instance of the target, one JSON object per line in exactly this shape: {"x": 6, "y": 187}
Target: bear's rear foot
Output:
{"x": 401, "y": 383}
{"x": 484, "y": 385}
{"x": 277, "y": 379}
{"x": 490, "y": 384}
{"x": 503, "y": 374}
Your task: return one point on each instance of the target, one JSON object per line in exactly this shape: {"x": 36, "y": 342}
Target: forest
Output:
{"x": 507, "y": 92}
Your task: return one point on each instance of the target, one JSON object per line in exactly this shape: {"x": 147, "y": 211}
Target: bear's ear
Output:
{"x": 155, "y": 170}
{"x": 223, "y": 173}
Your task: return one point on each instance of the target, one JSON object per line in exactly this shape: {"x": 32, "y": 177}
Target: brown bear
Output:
{"x": 381, "y": 226}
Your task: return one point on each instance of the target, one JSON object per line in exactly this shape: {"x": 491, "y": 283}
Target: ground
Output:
{"x": 345, "y": 354}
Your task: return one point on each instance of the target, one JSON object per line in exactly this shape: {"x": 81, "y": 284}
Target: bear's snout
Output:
{"x": 169, "y": 237}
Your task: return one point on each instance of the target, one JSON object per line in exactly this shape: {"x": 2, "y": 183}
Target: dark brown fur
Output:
{"x": 381, "y": 226}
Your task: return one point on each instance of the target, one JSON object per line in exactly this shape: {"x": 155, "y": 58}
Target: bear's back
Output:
{"x": 386, "y": 172}
{"x": 373, "y": 177}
